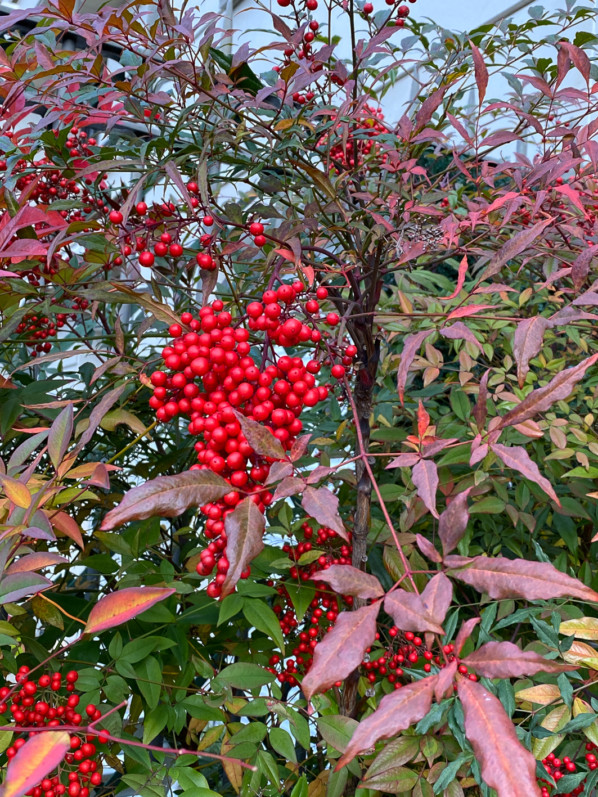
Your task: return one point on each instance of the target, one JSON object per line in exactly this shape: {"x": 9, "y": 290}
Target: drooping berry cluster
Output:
{"x": 36, "y": 329}
{"x": 210, "y": 376}
{"x": 349, "y": 152}
{"x": 52, "y": 702}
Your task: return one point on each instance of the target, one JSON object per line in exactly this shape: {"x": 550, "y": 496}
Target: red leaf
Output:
{"x": 543, "y": 398}
{"x": 396, "y": 712}
{"x": 481, "y": 72}
{"x": 427, "y": 548}
{"x": 517, "y": 578}
{"x": 465, "y": 632}
{"x": 167, "y": 496}
{"x": 349, "y": 580}
{"x": 460, "y": 280}
{"x": 322, "y": 505}
{"x": 341, "y": 651}
{"x": 480, "y": 410}
{"x": 425, "y": 612}
{"x": 513, "y": 247}
{"x": 260, "y": 438}
{"x": 506, "y": 660}
{"x": 428, "y": 106}
{"x": 244, "y": 541}
{"x": 410, "y": 349}
{"x": 505, "y": 764}
{"x": 24, "y": 247}
{"x": 470, "y": 309}
{"x": 579, "y": 58}
{"x": 527, "y": 342}
{"x": 39, "y": 756}
{"x": 452, "y": 523}
{"x": 121, "y": 606}
{"x": 403, "y": 461}
{"x": 425, "y": 477}
{"x": 517, "y": 458}
{"x": 68, "y": 526}
{"x": 445, "y": 681}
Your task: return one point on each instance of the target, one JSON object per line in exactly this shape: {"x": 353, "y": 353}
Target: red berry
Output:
{"x": 116, "y": 217}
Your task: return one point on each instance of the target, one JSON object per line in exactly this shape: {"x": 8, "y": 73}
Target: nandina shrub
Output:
{"x": 298, "y": 404}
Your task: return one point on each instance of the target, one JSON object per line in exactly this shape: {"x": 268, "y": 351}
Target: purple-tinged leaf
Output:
{"x": 425, "y": 477}
{"x": 513, "y": 247}
{"x": 260, "y": 438}
{"x": 280, "y": 469}
{"x": 452, "y": 523}
{"x": 322, "y": 505}
{"x": 349, "y": 580}
{"x": 579, "y": 58}
{"x": 581, "y": 266}
{"x": 396, "y": 712}
{"x": 299, "y": 447}
{"x": 37, "y": 758}
{"x": 167, "y": 496}
{"x": 460, "y": 331}
{"x": 527, "y": 342}
{"x": 410, "y": 348}
{"x": 244, "y": 541}
{"x": 428, "y": 106}
{"x": 517, "y": 458}
{"x": 480, "y": 409}
{"x": 517, "y": 578}
{"x": 60, "y": 435}
{"x": 124, "y": 605}
{"x": 542, "y": 399}
{"x": 15, "y": 586}
{"x": 287, "y": 487}
{"x": 505, "y": 764}
{"x": 342, "y": 649}
{"x": 506, "y": 660}
{"x": 425, "y": 612}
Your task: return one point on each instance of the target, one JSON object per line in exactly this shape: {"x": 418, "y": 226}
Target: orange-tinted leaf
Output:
{"x": 322, "y": 505}
{"x": 505, "y": 764}
{"x": 460, "y": 280}
{"x": 341, "y": 651}
{"x": 260, "y": 439}
{"x": 506, "y": 660}
{"x": 167, "y": 496}
{"x": 425, "y": 612}
{"x": 517, "y": 458}
{"x": 35, "y": 561}
{"x": 244, "y": 541}
{"x": 396, "y": 712}
{"x": 425, "y": 477}
{"x": 452, "y": 523}
{"x": 410, "y": 349}
{"x": 15, "y": 491}
{"x": 517, "y": 578}
{"x": 349, "y": 580}
{"x": 527, "y": 342}
{"x": 121, "y": 606}
{"x": 543, "y": 398}
{"x": 39, "y": 756}
{"x": 69, "y": 527}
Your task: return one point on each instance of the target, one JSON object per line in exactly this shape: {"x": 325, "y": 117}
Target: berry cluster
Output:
{"x": 557, "y": 768}
{"x": 210, "y": 376}
{"x": 38, "y": 328}
{"x": 42, "y": 703}
{"x": 49, "y": 184}
{"x": 349, "y": 152}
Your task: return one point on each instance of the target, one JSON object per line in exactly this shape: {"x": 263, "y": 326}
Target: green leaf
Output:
{"x": 246, "y": 676}
{"x": 261, "y": 616}
{"x": 283, "y": 744}
{"x": 149, "y": 674}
